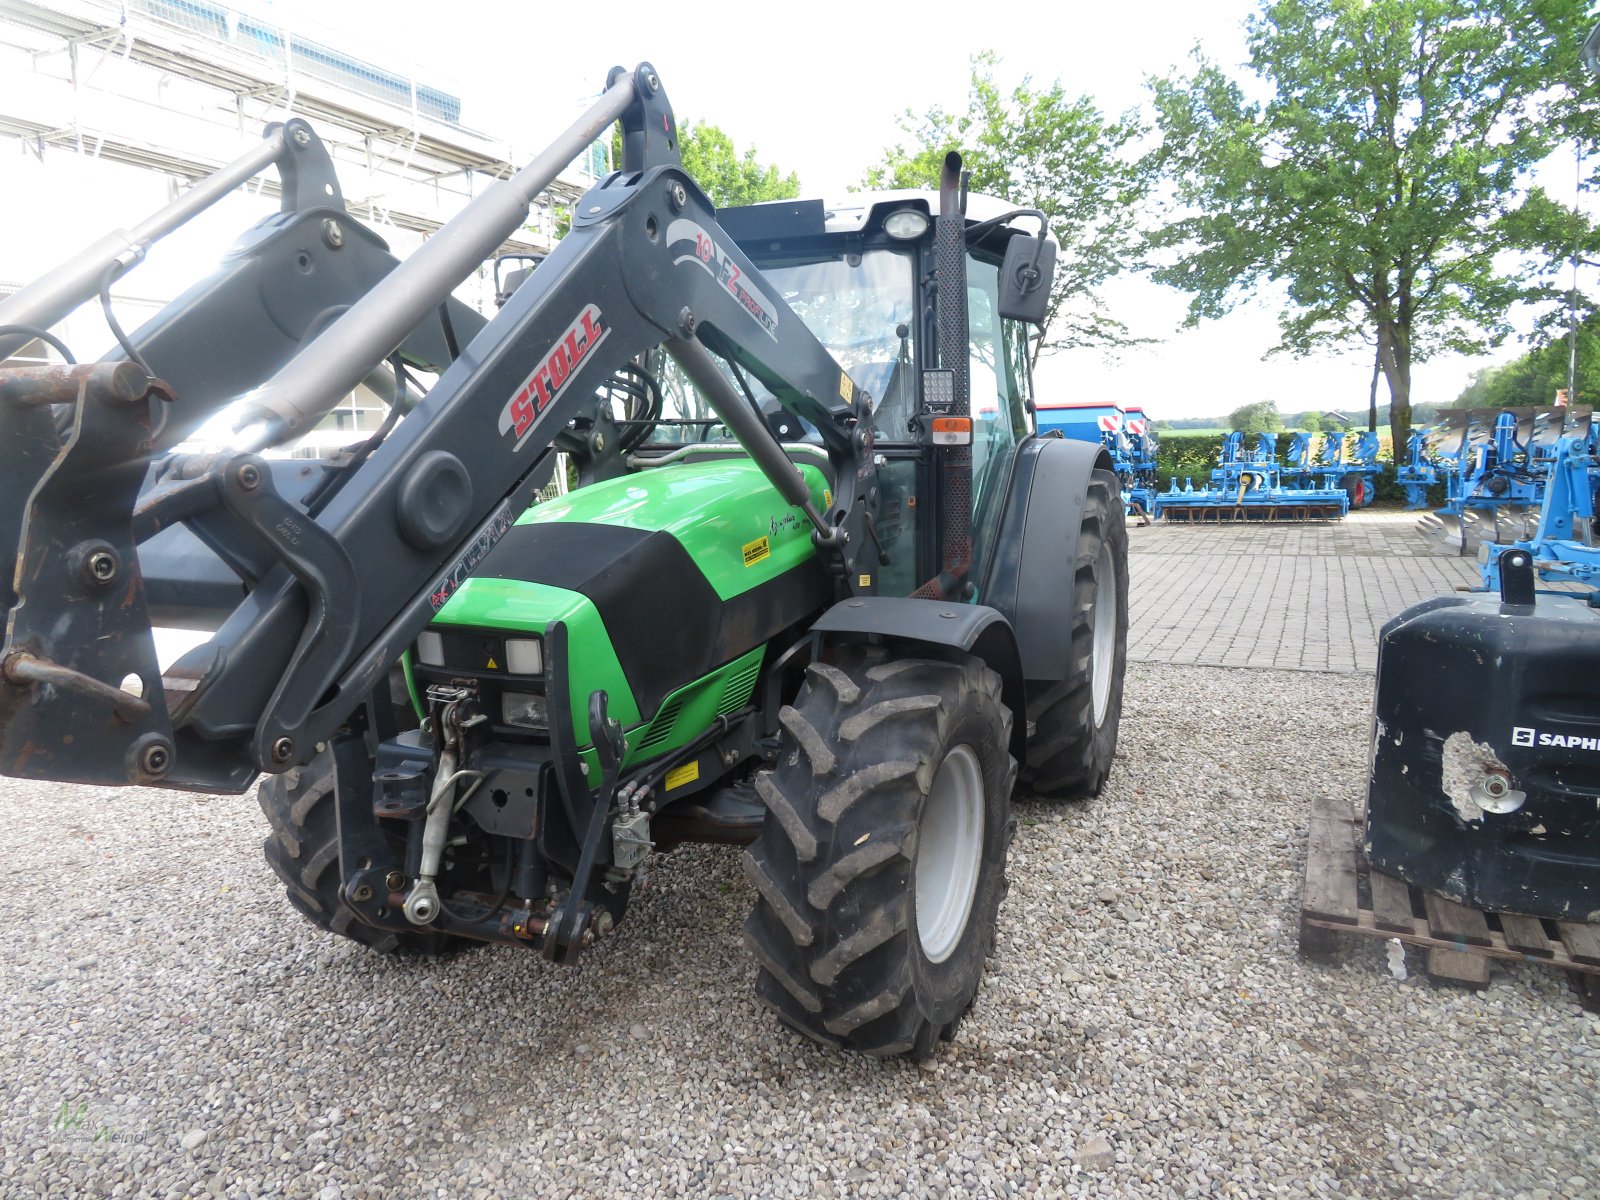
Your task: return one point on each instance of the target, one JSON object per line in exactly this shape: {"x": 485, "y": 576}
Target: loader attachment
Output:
{"x": 78, "y": 652}
{"x": 334, "y": 590}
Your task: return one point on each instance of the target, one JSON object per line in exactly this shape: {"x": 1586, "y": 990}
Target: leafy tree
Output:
{"x": 1382, "y": 174}
{"x": 1260, "y": 417}
{"x": 1040, "y": 148}
{"x": 727, "y": 177}
{"x": 1311, "y": 422}
{"x": 1535, "y": 377}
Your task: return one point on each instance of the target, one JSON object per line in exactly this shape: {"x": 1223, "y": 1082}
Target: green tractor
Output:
{"x": 818, "y": 591}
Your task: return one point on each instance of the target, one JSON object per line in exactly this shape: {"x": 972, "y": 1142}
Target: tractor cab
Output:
{"x": 861, "y": 273}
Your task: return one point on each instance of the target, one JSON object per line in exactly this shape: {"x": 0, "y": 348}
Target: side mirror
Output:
{"x": 1025, "y": 277}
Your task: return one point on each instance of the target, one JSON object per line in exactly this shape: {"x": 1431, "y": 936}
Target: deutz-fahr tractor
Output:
{"x": 817, "y": 589}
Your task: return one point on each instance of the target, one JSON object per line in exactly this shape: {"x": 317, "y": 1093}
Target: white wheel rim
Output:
{"x": 1104, "y": 664}
{"x": 949, "y": 849}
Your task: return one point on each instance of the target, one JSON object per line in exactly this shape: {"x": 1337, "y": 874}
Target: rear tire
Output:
{"x": 1075, "y": 719}
{"x": 303, "y": 851}
{"x": 881, "y": 863}
{"x": 1357, "y": 488}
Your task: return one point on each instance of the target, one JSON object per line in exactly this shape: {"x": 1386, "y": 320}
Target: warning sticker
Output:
{"x": 847, "y": 390}
{"x": 679, "y": 776}
{"x": 755, "y": 551}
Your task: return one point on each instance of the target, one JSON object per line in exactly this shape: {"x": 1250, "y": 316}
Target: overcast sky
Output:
{"x": 818, "y": 89}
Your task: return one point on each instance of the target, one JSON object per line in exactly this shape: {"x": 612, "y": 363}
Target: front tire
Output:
{"x": 881, "y": 863}
{"x": 1075, "y": 719}
{"x": 303, "y": 851}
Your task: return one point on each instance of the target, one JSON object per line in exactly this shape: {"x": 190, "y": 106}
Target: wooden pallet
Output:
{"x": 1344, "y": 895}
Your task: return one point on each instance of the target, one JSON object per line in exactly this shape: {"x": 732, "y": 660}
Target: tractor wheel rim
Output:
{"x": 1105, "y": 634}
{"x": 949, "y": 849}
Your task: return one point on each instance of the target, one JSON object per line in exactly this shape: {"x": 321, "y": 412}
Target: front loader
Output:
{"x": 820, "y": 591}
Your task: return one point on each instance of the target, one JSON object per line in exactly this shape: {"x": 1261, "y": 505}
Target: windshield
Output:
{"x": 861, "y": 307}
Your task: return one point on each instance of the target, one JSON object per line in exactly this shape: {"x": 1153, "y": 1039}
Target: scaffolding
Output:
{"x": 130, "y": 81}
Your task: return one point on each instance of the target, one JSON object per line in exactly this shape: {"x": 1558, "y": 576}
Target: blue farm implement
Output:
{"x": 1565, "y": 543}
{"x": 1342, "y": 460}
{"x": 1127, "y": 437}
{"x": 1081, "y": 422}
{"x": 1250, "y": 486}
{"x": 1419, "y": 472}
{"x": 1495, "y": 464}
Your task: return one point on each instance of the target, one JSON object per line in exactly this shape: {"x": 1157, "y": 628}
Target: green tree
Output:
{"x": 1311, "y": 422}
{"x": 1043, "y": 149}
{"x": 726, "y": 176}
{"x": 1377, "y": 167}
{"x": 1535, "y": 377}
{"x": 1260, "y": 417}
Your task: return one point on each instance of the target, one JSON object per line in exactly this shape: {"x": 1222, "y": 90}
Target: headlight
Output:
{"x": 524, "y": 710}
{"x": 524, "y": 656}
{"x": 906, "y": 224}
{"x": 430, "y": 649}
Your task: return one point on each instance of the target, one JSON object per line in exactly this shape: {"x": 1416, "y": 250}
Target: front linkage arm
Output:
{"x": 645, "y": 262}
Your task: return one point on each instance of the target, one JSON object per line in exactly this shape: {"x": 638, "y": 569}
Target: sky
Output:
{"x": 819, "y": 91}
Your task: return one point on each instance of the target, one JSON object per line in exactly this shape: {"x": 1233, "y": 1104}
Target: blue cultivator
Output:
{"x": 1419, "y": 472}
{"x": 1495, "y": 464}
{"x": 1250, "y": 487}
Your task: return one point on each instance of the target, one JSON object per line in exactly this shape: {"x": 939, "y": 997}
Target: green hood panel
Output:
{"x": 760, "y": 572}
{"x": 719, "y": 511}
{"x": 512, "y": 605}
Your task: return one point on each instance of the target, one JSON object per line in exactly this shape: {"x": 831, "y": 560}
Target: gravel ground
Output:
{"x": 171, "y": 1028}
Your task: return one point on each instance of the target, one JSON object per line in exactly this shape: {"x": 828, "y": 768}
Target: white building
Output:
{"x": 108, "y": 109}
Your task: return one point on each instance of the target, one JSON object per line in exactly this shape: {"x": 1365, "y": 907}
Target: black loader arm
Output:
{"x": 343, "y": 593}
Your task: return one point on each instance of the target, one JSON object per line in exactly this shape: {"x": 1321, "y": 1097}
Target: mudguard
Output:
{"x": 974, "y": 629}
{"x": 1031, "y": 563}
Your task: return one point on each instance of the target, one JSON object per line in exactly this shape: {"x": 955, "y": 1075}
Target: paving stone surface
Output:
{"x": 1308, "y": 597}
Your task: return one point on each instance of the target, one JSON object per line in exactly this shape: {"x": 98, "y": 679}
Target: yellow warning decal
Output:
{"x": 755, "y": 551}
{"x": 865, "y": 581}
{"x": 491, "y": 666}
{"x": 847, "y": 390}
{"x": 827, "y": 498}
{"x": 679, "y": 776}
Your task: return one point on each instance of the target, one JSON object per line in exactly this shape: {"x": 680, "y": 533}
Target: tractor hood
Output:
{"x": 664, "y": 580}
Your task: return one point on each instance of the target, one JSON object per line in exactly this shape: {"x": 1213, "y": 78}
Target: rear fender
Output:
{"x": 1032, "y": 561}
{"x": 974, "y": 629}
